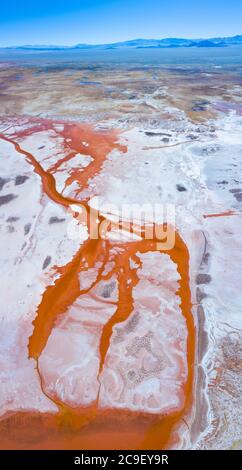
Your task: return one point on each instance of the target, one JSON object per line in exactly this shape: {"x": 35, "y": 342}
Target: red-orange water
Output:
{"x": 221, "y": 214}
{"x": 91, "y": 427}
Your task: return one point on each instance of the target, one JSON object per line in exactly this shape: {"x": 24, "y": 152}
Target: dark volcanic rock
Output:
{"x": 46, "y": 262}
{"x": 235, "y": 190}
{"x": 20, "y": 179}
{"x": 12, "y": 219}
{"x": 203, "y": 279}
{"x": 7, "y": 198}
{"x": 200, "y": 105}
{"x": 200, "y": 295}
{"x": 238, "y": 197}
{"x": 55, "y": 220}
{"x": 156, "y": 134}
{"x": 192, "y": 137}
{"x": 27, "y": 228}
{"x": 108, "y": 290}
{"x": 3, "y": 181}
{"x": 181, "y": 188}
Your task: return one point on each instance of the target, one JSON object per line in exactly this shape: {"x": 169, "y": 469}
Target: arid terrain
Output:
{"x": 120, "y": 340}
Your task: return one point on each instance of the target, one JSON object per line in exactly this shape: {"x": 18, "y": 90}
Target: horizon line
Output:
{"x": 119, "y": 42}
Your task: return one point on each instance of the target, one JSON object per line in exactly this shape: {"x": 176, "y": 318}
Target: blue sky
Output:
{"x": 99, "y": 21}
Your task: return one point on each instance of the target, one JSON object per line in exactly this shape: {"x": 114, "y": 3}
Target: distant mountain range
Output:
{"x": 143, "y": 44}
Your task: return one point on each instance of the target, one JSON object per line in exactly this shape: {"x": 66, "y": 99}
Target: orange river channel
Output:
{"x": 91, "y": 427}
